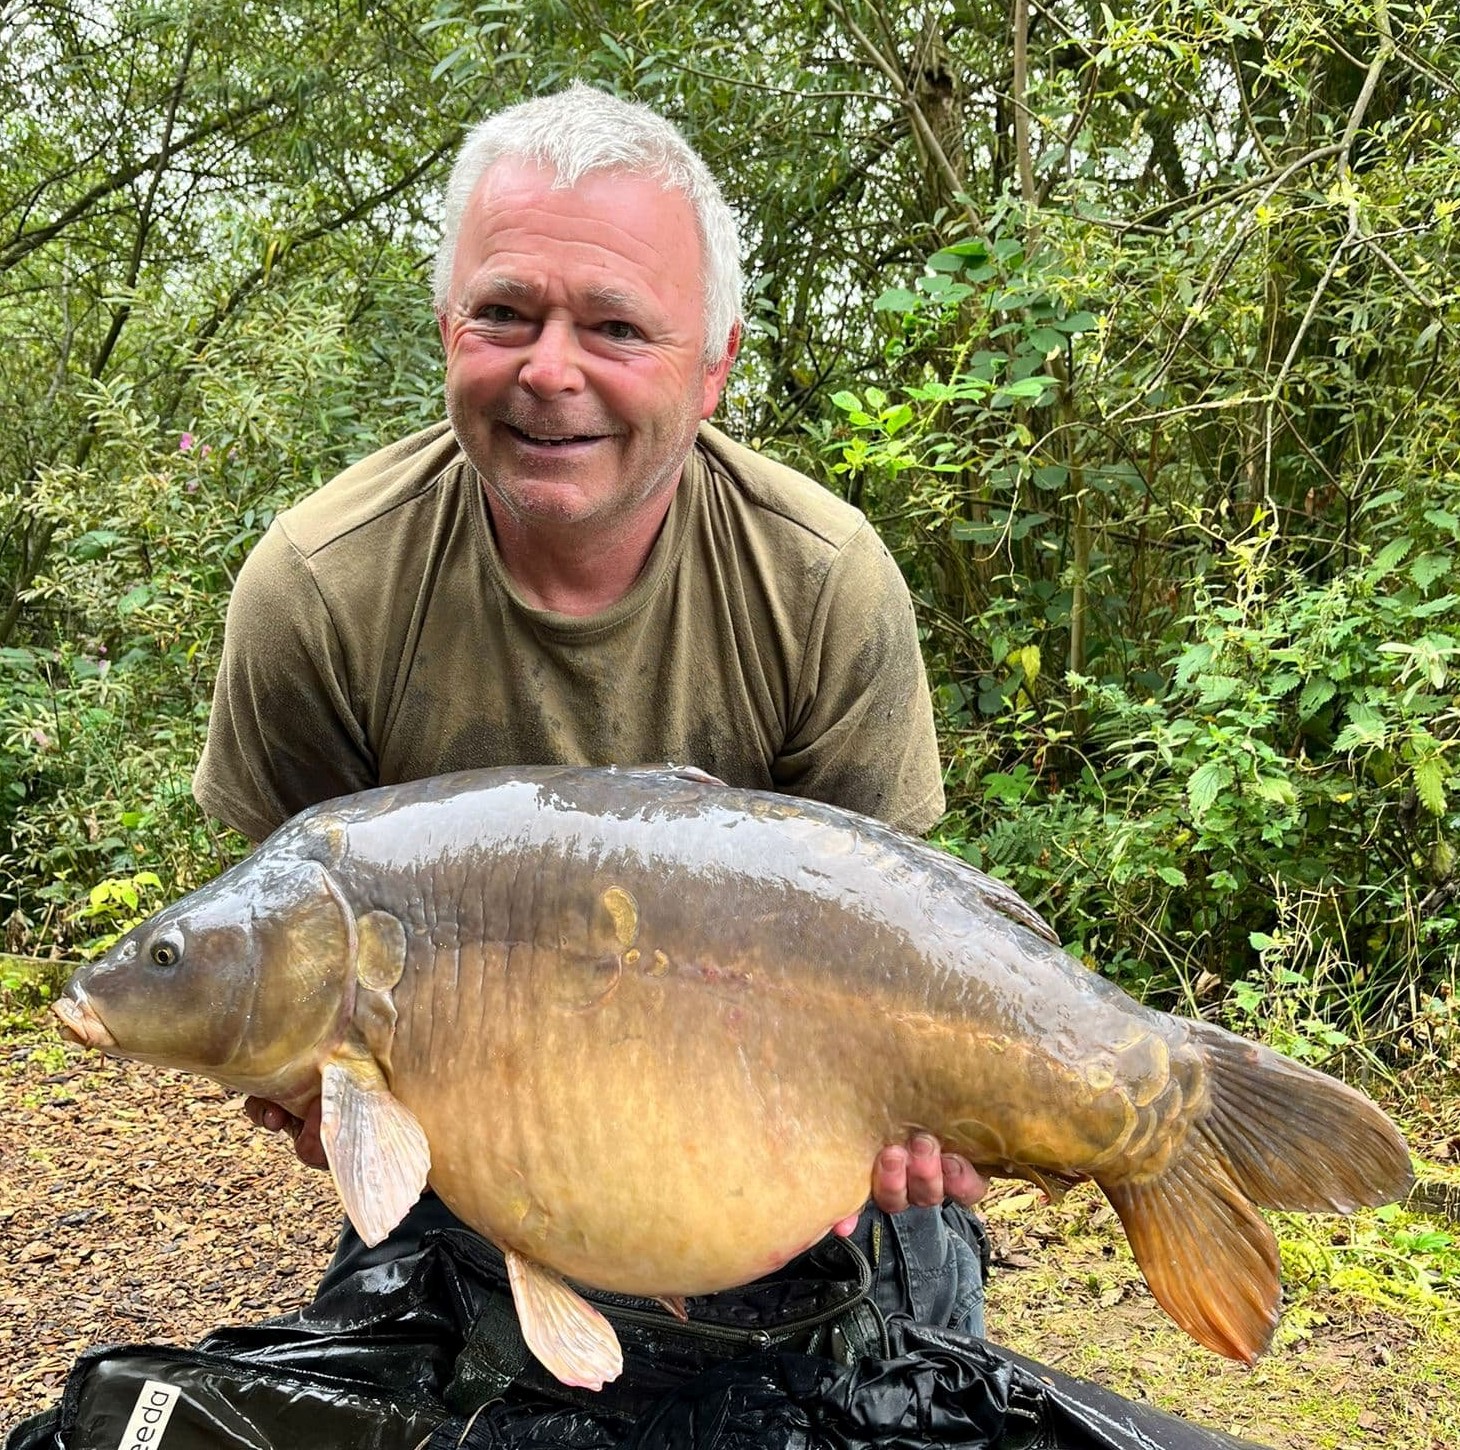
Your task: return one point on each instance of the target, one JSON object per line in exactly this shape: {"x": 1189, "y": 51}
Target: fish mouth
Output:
{"x": 80, "y": 1023}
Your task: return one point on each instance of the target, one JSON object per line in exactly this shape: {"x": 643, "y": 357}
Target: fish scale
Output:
{"x": 647, "y": 1032}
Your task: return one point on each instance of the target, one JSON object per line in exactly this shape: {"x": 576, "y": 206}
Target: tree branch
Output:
{"x": 24, "y": 242}
{"x": 1021, "y": 113}
{"x": 909, "y": 103}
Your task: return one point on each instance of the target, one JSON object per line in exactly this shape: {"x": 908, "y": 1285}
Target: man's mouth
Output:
{"x": 553, "y": 440}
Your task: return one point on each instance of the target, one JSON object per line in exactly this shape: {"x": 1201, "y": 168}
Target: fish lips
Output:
{"x": 80, "y": 1022}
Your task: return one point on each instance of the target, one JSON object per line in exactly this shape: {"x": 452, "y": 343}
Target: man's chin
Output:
{"x": 552, "y": 502}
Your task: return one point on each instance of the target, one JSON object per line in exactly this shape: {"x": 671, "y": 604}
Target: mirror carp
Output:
{"x": 647, "y": 1032}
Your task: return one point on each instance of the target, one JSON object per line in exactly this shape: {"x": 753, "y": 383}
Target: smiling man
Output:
{"x": 577, "y": 370}
{"x": 578, "y": 569}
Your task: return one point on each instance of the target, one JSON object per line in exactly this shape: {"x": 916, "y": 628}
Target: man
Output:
{"x": 576, "y": 570}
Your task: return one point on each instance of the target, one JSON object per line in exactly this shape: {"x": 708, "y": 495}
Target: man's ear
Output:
{"x": 717, "y": 373}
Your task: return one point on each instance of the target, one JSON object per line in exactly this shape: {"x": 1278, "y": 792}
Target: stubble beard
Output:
{"x": 558, "y": 507}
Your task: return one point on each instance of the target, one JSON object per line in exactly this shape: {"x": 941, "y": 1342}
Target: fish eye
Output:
{"x": 165, "y": 951}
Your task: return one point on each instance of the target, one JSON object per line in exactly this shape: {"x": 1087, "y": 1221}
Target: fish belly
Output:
{"x": 668, "y": 1138}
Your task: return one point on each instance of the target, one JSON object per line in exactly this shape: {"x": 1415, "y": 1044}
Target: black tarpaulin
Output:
{"x": 424, "y": 1354}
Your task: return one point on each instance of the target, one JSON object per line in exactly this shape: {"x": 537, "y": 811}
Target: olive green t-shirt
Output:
{"x": 374, "y": 636}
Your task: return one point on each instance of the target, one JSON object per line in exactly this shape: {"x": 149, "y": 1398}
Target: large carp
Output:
{"x": 647, "y": 1032}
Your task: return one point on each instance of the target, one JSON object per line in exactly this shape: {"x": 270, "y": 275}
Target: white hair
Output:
{"x": 582, "y": 130}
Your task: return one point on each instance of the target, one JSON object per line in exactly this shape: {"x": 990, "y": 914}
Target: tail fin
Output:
{"x": 1275, "y": 1134}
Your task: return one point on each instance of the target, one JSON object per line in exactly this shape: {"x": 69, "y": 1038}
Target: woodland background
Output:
{"x": 1132, "y": 329}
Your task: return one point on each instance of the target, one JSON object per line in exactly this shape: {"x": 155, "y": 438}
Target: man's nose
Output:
{"x": 553, "y": 364}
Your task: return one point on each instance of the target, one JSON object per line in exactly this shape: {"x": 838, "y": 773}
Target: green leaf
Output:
{"x": 894, "y": 420}
{"x": 94, "y": 543}
{"x": 847, "y": 402}
{"x": 18, "y": 659}
{"x": 1277, "y": 789}
{"x": 1429, "y": 567}
{"x": 1381, "y": 500}
{"x": 1316, "y": 694}
{"x": 1429, "y": 783}
{"x": 1215, "y": 688}
{"x": 1392, "y": 555}
{"x": 1171, "y": 876}
{"x": 1366, "y": 728}
{"x": 1206, "y": 784}
{"x": 973, "y": 248}
{"x": 897, "y": 299}
{"x": 1445, "y": 604}
{"x": 1034, "y": 387}
{"x": 1078, "y": 322}
{"x": 1194, "y": 659}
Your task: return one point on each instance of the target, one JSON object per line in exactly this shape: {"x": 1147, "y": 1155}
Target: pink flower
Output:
{"x": 205, "y": 450}
{"x": 185, "y": 442}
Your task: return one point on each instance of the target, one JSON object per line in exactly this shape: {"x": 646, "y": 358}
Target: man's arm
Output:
{"x": 283, "y": 732}
{"x": 860, "y": 731}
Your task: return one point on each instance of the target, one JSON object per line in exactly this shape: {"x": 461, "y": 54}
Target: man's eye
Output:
{"x": 496, "y": 312}
{"x": 620, "y": 331}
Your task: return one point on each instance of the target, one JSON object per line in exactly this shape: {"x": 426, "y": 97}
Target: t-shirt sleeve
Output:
{"x": 282, "y": 734}
{"x": 861, "y": 731}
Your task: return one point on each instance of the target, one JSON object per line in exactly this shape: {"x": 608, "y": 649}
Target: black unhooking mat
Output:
{"x": 424, "y": 1354}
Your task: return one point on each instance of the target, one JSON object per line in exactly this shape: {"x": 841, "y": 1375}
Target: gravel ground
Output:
{"x": 137, "y": 1205}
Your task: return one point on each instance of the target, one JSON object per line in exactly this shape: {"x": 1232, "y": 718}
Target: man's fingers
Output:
{"x": 962, "y": 1182}
{"x": 921, "y": 1173}
{"x": 889, "y": 1180}
{"x": 924, "y": 1171}
{"x": 307, "y": 1145}
{"x": 304, "y": 1131}
{"x": 264, "y": 1114}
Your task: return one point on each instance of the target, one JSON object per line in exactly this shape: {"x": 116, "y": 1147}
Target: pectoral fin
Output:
{"x": 562, "y": 1328}
{"x": 377, "y": 1153}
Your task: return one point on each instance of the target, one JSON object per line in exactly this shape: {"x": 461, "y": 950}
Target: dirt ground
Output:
{"x": 137, "y": 1205}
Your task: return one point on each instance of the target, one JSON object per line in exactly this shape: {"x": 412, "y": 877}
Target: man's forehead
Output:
{"x": 512, "y": 178}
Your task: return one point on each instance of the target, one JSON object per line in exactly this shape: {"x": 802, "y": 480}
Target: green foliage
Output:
{"x": 1287, "y": 793}
{"x": 213, "y": 230}
{"x": 1387, "y": 1256}
{"x": 1145, "y": 369}
{"x": 1189, "y": 601}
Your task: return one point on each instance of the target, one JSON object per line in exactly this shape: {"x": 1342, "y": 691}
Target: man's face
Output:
{"x": 575, "y": 345}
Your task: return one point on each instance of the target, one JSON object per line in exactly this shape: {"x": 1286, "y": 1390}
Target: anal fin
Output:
{"x": 571, "y": 1338}
{"x": 377, "y": 1151}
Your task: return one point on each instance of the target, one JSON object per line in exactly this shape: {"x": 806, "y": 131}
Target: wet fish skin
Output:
{"x": 647, "y": 1033}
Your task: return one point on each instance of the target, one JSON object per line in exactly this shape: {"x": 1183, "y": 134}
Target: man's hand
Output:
{"x": 305, "y": 1131}
{"x": 919, "y": 1174}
